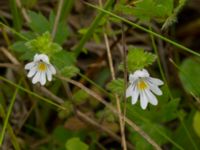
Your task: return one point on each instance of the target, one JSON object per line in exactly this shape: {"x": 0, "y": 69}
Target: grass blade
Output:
{"x": 145, "y": 30}
{"x": 78, "y": 48}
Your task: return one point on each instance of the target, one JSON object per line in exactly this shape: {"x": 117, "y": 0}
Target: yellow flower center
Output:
{"x": 142, "y": 85}
{"x": 42, "y": 66}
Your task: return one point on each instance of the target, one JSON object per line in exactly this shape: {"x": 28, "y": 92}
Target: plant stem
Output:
{"x": 57, "y": 18}
{"x": 145, "y": 30}
{"x": 8, "y": 115}
{"x": 13, "y": 31}
{"x": 121, "y": 123}
{"x": 10, "y": 130}
{"x": 113, "y": 109}
{"x": 78, "y": 48}
{"x": 32, "y": 93}
{"x": 125, "y": 69}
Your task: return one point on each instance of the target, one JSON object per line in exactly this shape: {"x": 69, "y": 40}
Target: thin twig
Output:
{"x": 122, "y": 127}
{"x": 86, "y": 118}
{"x": 5, "y": 35}
{"x": 99, "y": 126}
{"x": 9, "y": 65}
{"x": 10, "y": 56}
{"x": 48, "y": 93}
{"x": 57, "y": 18}
{"x": 125, "y": 69}
{"x": 23, "y": 10}
{"x": 128, "y": 121}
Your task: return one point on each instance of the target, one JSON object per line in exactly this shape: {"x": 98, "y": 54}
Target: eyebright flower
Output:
{"x": 143, "y": 87}
{"x": 40, "y": 68}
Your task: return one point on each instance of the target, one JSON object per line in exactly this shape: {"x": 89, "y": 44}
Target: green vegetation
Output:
{"x": 96, "y": 48}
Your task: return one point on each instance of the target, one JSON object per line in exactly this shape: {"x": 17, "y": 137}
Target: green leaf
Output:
{"x": 189, "y": 75}
{"x": 62, "y": 29}
{"x": 61, "y": 134}
{"x": 196, "y": 123}
{"x": 116, "y": 86}
{"x": 63, "y": 59}
{"x": 44, "y": 44}
{"x": 69, "y": 71}
{"x": 19, "y": 47}
{"x": 76, "y": 144}
{"x": 137, "y": 59}
{"x": 173, "y": 17}
{"x": 28, "y": 55}
{"x": 127, "y": 9}
{"x": 39, "y": 23}
{"x": 153, "y": 9}
{"x": 153, "y": 131}
{"x": 69, "y": 110}
{"x": 189, "y": 139}
{"x": 80, "y": 96}
{"x": 106, "y": 114}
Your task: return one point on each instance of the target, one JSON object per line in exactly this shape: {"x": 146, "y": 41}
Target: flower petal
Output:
{"x": 29, "y": 65}
{"x": 52, "y": 69}
{"x": 155, "y": 81}
{"x": 135, "y": 96}
{"x": 36, "y": 78}
{"x": 32, "y": 72}
{"x": 132, "y": 78}
{"x": 36, "y": 58}
{"x": 44, "y": 58}
{"x": 155, "y": 89}
{"x": 41, "y": 57}
{"x": 49, "y": 75}
{"x": 129, "y": 91}
{"x": 143, "y": 100}
{"x": 141, "y": 73}
{"x": 42, "y": 78}
{"x": 151, "y": 98}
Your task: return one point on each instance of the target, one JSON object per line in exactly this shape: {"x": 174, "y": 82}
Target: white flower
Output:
{"x": 142, "y": 87}
{"x": 40, "y": 68}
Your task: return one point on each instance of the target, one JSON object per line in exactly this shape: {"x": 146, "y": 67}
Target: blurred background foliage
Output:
{"x": 83, "y": 115}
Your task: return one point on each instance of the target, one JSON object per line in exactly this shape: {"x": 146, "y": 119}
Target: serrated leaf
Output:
{"x": 153, "y": 9}
{"x": 44, "y": 44}
{"x": 189, "y": 75}
{"x": 28, "y": 55}
{"x": 62, "y": 59}
{"x": 76, "y": 144}
{"x": 127, "y": 9}
{"x": 69, "y": 71}
{"x": 38, "y": 22}
{"x": 116, "y": 86}
{"x": 19, "y": 47}
{"x": 137, "y": 59}
{"x": 173, "y": 17}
